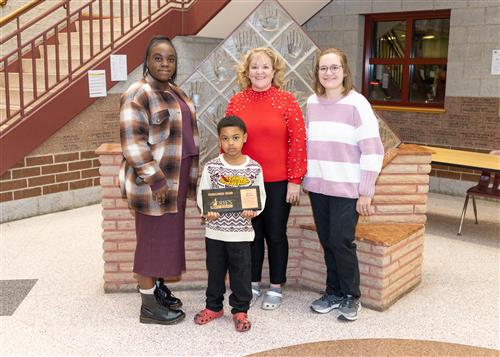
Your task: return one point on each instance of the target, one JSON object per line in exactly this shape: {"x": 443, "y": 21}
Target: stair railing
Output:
{"x": 30, "y": 61}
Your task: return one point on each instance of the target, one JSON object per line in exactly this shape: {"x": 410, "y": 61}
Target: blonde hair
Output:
{"x": 346, "y": 82}
{"x": 242, "y": 68}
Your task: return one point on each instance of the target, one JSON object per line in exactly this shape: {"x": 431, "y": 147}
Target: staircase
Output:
{"x": 43, "y": 81}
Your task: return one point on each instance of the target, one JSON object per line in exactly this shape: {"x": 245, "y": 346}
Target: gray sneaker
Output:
{"x": 349, "y": 309}
{"x": 326, "y": 303}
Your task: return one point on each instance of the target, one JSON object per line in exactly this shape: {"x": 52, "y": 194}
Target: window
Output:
{"x": 405, "y": 58}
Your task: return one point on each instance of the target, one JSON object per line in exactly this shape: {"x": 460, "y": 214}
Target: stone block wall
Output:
{"x": 402, "y": 186}
{"x": 390, "y": 261}
{"x": 45, "y": 183}
{"x": 119, "y": 233}
{"x": 469, "y": 123}
{"x": 474, "y": 28}
{"x": 45, "y": 174}
{"x": 472, "y": 99}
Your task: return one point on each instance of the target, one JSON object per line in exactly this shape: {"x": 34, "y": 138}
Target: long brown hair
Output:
{"x": 346, "y": 82}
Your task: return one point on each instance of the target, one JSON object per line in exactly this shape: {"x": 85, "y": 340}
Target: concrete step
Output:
{"x": 62, "y": 49}
{"x": 14, "y": 96}
{"x": 63, "y": 66}
{"x": 126, "y": 8}
{"x": 28, "y": 80}
{"x": 75, "y": 38}
{"x": 3, "y": 112}
{"x": 106, "y": 25}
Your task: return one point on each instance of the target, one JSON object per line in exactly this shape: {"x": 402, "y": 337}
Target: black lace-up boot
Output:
{"x": 165, "y": 296}
{"x": 152, "y": 312}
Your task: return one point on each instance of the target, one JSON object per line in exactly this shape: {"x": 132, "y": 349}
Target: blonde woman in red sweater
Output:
{"x": 277, "y": 141}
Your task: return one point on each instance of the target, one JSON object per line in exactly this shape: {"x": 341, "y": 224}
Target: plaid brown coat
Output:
{"x": 151, "y": 139}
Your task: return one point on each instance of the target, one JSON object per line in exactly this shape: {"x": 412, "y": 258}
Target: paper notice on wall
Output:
{"x": 495, "y": 62}
{"x": 97, "y": 83}
{"x": 118, "y": 67}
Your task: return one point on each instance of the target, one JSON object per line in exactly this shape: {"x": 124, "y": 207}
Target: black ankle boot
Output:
{"x": 152, "y": 312}
{"x": 165, "y": 296}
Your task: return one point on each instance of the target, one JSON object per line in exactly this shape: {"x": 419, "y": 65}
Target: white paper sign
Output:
{"x": 118, "y": 67}
{"x": 97, "y": 83}
{"x": 495, "y": 62}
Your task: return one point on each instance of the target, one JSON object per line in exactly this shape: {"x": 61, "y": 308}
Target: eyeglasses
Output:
{"x": 334, "y": 68}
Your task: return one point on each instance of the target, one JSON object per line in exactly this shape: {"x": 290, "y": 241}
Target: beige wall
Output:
{"x": 474, "y": 29}
{"x": 472, "y": 103}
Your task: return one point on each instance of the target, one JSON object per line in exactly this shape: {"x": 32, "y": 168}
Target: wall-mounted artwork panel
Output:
{"x": 214, "y": 81}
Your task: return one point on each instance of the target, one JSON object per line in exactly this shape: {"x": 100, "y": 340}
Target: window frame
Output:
{"x": 406, "y": 62}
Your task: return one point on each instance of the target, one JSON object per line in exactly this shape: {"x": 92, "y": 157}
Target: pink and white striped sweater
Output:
{"x": 344, "y": 150}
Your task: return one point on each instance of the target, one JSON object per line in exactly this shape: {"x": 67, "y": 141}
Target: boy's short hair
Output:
{"x": 231, "y": 120}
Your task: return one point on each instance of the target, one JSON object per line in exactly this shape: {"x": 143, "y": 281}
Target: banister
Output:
{"x": 22, "y": 112}
{"x": 33, "y": 21}
{"x": 19, "y": 11}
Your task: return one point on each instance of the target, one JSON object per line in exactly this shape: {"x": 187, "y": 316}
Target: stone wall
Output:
{"x": 472, "y": 102}
{"x": 390, "y": 261}
{"x": 474, "y": 28}
{"x": 400, "y": 197}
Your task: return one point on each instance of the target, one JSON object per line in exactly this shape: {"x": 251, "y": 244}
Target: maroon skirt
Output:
{"x": 160, "y": 248}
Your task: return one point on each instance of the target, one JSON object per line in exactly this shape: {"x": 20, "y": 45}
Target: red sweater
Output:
{"x": 276, "y": 132}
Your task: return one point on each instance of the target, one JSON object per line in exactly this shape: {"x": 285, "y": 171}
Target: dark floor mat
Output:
{"x": 12, "y": 294}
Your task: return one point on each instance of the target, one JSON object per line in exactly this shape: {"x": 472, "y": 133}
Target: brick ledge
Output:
{"x": 403, "y": 149}
{"x": 380, "y": 234}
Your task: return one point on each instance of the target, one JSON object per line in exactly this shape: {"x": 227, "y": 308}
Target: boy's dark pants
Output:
{"x": 336, "y": 219}
{"x": 235, "y": 257}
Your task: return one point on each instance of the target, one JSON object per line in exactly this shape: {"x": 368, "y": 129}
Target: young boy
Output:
{"x": 229, "y": 234}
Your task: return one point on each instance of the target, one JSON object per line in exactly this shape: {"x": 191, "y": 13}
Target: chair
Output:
{"x": 481, "y": 189}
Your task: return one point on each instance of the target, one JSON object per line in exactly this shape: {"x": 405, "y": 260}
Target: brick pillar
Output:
{"x": 390, "y": 261}
{"x": 402, "y": 187}
{"x": 119, "y": 238}
{"x": 117, "y": 223}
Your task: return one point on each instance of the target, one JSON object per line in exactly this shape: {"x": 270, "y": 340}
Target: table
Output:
{"x": 467, "y": 159}
{"x": 471, "y": 160}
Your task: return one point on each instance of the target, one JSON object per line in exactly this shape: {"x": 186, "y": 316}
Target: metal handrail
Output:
{"x": 31, "y": 22}
{"x": 35, "y": 52}
{"x": 19, "y": 11}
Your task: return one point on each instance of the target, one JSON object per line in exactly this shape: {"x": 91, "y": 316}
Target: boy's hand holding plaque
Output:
{"x": 231, "y": 199}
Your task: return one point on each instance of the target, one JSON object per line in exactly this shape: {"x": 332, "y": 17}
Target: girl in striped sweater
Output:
{"x": 344, "y": 154}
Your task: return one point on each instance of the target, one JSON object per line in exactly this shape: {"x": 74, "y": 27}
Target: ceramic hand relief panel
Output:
{"x": 214, "y": 82}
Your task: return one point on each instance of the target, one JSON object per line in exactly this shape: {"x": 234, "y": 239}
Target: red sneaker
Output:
{"x": 205, "y": 316}
{"x": 241, "y": 322}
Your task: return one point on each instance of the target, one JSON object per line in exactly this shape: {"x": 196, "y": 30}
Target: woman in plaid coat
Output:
{"x": 159, "y": 140}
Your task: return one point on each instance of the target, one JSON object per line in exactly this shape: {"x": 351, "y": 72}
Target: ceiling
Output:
{"x": 237, "y": 10}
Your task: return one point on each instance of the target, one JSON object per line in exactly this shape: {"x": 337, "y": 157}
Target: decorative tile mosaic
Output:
{"x": 214, "y": 82}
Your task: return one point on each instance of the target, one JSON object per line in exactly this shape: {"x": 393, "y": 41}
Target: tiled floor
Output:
{"x": 66, "y": 312}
